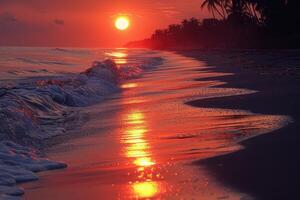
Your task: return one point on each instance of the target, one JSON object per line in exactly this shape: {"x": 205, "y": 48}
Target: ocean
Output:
{"x": 40, "y": 91}
{"x": 130, "y": 108}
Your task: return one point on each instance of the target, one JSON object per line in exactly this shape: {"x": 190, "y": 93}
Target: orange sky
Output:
{"x": 87, "y": 23}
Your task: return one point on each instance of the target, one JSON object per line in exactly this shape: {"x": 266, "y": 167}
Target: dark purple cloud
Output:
{"x": 10, "y": 24}
{"x": 7, "y": 17}
{"x": 14, "y": 31}
{"x": 59, "y": 22}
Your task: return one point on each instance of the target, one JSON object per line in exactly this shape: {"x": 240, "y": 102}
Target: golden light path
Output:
{"x": 118, "y": 57}
{"x": 145, "y": 189}
{"x": 137, "y": 148}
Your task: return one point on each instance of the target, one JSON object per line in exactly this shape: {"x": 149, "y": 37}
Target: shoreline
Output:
{"x": 269, "y": 161}
{"x": 139, "y": 139}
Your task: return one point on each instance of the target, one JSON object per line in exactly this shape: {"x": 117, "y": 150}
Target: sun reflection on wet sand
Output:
{"x": 138, "y": 149}
{"x": 146, "y": 189}
{"x": 144, "y": 162}
{"x": 151, "y": 137}
{"x": 129, "y": 85}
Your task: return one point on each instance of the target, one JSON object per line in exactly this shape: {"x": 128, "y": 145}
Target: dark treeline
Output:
{"x": 235, "y": 24}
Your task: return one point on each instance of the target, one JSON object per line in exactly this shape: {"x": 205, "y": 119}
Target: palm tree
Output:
{"x": 212, "y": 6}
{"x": 225, "y": 5}
{"x": 239, "y": 9}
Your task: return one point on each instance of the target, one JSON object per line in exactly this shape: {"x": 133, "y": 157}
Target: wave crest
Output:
{"x": 36, "y": 109}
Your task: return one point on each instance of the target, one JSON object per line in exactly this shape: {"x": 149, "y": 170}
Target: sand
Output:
{"x": 268, "y": 166}
{"x": 142, "y": 142}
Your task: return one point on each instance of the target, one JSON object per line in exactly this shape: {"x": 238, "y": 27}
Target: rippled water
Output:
{"x": 42, "y": 95}
{"x": 17, "y": 62}
{"x": 39, "y": 87}
{"x": 139, "y": 144}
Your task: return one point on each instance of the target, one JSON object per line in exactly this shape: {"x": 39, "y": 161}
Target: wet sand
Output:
{"x": 141, "y": 144}
{"x": 268, "y": 166}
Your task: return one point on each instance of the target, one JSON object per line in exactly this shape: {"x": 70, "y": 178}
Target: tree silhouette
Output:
{"x": 214, "y": 5}
{"x": 235, "y": 23}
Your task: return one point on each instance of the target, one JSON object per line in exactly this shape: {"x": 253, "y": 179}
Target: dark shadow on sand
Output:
{"x": 269, "y": 166}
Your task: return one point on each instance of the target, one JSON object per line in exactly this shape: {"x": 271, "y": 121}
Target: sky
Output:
{"x": 88, "y": 23}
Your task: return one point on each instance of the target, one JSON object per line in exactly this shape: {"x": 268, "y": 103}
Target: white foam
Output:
{"x": 18, "y": 164}
{"x": 36, "y": 109}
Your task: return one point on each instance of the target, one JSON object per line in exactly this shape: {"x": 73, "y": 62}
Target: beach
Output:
{"x": 268, "y": 166}
{"x": 142, "y": 100}
{"x": 156, "y": 139}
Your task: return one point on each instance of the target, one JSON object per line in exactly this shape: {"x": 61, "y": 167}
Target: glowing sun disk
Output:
{"x": 122, "y": 23}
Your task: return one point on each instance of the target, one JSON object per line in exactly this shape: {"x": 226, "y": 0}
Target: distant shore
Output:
{"x": 269, "y": 166}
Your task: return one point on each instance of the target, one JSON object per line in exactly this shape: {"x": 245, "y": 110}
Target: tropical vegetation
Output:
{"x": 234, "y": 24}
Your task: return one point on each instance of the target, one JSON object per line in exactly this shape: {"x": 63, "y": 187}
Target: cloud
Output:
{"x": 15, "y": 31}
{"x": 59, "y": 22}
{"x": 7, "y": 17}
{"x": 49, "y": 22}
{"x": 169, "y": 11}
{"x": 10, "y": 24}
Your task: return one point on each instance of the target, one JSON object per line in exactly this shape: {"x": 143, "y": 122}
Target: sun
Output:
{"x": 122, "y": 23}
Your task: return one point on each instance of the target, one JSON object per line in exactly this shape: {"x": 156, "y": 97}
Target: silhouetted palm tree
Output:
{"x": 257, "y": 20}
{"x": 212, "y": 6}
{"x": 233, "y": 8}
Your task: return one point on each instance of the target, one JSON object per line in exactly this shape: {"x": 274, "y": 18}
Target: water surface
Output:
{"x": 140, "y": 143}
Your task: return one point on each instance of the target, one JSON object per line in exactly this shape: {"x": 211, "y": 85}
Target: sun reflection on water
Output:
{"x": 144, "y": 162}
{"x": 129, "y": 85}
{"x": 118, "y": 57}
{"x": 145, "y": 189}
{"x": 138, "y": 149}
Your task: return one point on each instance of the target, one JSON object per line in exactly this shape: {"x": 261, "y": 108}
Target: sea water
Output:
{"x": 130, "y": 105}
{"x": 140, "y": 143}
{"x": 41, "y": 90}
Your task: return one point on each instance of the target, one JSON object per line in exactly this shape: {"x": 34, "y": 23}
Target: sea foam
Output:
{"x": 36, "y": 109}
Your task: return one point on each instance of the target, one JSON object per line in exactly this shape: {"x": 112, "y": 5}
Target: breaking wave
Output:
{"x": 36, "y": 109}
{"x": 32, "y": 110}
